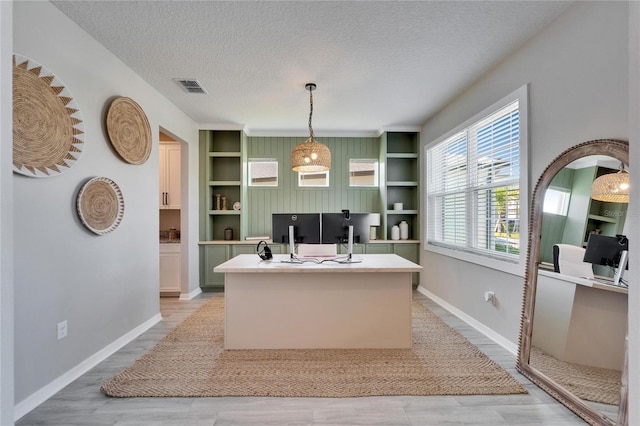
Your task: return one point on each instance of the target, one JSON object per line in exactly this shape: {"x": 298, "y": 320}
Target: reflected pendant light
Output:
{"x": 310, "y": 155}
{"x": 612, "y": 187}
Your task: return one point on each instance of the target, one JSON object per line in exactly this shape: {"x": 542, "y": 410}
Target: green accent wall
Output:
{"x": 287, "y": 197}
{"x": 578, "y": 206}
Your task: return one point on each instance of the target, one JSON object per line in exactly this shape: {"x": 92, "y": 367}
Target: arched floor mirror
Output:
{"x": 573, "y": 334}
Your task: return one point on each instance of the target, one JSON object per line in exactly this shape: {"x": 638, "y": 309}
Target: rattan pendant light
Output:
{"x": 310, "y": 155}
{"x": 612, "y": 187}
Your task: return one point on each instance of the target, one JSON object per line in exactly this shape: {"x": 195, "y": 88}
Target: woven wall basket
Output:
{"x": 129, "y": 130}
{"x": 100, "y": 205}
{"x": 48, "y": 132}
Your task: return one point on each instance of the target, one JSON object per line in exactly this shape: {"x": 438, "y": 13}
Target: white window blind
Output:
{"x": 473, "y": 194}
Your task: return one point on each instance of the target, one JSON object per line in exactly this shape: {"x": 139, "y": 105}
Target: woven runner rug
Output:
{"x": 590, "y": 383}
{"x": 191, "y": 362}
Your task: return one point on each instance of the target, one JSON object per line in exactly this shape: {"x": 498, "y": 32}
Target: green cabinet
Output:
{"x": 400, "y": 187}
{"x": 379, "y": 248}
{"x": 357, "y": 249}
{"x": 604, "y": 217}
{"x": 251, "y": 248}
{"x": 223, "y": 159}
{"x": 220, "y": 187}
{"x": 237, "y": 249}
{"x": 407, "y": 249}
{"x": 410, "y": 252}
{"x": 221, "y": 177}
{"x": 213, "y": 255}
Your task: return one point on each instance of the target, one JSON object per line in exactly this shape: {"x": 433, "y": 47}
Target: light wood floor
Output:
{"x": 82, "y": 403}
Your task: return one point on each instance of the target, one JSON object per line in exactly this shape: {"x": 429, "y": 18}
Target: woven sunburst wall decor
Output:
{"x": 48, "y": 132}
{"x": 100, "y": 205}
{"x": 129, "y": 130}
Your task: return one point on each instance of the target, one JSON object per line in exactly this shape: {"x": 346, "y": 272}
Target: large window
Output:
{"x": 473, "y": 188}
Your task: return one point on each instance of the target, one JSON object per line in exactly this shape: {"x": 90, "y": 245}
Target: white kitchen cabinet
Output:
{"x": 170, "y": 267}
{"x": 169, "y": 158}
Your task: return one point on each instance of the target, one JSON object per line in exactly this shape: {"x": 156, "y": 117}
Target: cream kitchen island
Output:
{"x": 278, "y": 305}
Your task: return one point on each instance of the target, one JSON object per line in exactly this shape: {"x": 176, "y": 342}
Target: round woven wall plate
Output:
{"x": 48, "y": 132}
{"x": 129, "y": 130}
{"x": 100, "y": 205}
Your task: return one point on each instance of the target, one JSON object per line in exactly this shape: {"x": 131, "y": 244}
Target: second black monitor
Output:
{"x": 335, "y": 227}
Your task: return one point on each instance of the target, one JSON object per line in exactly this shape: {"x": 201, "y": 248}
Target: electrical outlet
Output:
{"x": 490, "y": 297}
{"x": 62, "y": 330}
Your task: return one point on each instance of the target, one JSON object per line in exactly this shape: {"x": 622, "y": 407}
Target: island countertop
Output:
{"x": 251, "y": 263}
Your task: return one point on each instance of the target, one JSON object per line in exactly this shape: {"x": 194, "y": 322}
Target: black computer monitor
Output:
{"x": 306, "y": 227}
{"x": 605, "y": 250}
{"x": 335, "y": 227}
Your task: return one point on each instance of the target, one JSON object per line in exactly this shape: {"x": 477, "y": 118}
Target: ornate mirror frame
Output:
{"x": 620, "y": 151}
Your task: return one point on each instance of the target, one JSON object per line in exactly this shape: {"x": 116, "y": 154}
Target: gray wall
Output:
{"x": 104, "y": 286}
{"x": 6, "y": 216}
{"x": 578, "y": 90}
{"x": 634, "y": 217}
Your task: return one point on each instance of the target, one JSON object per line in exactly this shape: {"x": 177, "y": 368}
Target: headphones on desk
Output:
{"x": 265, "y": 253}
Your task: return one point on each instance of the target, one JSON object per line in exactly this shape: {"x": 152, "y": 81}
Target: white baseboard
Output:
{"x": 46, "y": 392}
{"x": 190, "y": 295}
{"x": 505, "y": 343}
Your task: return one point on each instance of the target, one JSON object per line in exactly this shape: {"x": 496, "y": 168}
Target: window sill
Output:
{"x": 488, "y": 262}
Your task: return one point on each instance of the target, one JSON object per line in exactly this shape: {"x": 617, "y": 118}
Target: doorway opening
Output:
{"x": 170, "y": 214}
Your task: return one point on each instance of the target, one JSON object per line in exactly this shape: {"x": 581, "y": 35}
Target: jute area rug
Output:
{"x": 590, "y": 383}
{"x": 191, "y": 362}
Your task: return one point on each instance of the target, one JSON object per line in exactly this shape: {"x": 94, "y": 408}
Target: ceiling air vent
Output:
{"x": 190, "y": 85}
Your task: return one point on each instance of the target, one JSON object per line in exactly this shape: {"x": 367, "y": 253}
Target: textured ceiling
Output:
{"x": 378, "y": 65}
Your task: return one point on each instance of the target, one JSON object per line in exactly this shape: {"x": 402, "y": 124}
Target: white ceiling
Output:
{"x": 378, "y": 64}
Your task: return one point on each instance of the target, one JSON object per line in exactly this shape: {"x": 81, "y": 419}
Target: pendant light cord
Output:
{"x": 310, "y": 112}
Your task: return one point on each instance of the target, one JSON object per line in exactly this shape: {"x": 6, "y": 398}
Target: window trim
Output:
{"x": 512, "y": 266}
